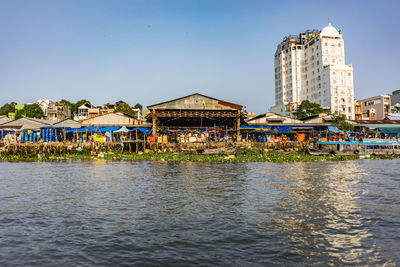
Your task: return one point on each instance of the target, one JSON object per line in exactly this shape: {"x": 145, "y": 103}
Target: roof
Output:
{"x": 67, "y": 123}
{"x": 330, "y": 31}
{"x": 377, "y": 122}
{"x": 28, "y": 123}
{"x": 112, "y": 119}
{"x": 393, "y": 117}
{"x": 4, "y": 119}
{"x": 195, "y": 105}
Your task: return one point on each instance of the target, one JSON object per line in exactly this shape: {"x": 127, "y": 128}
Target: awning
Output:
{"x": 333, "y": 129}
{"x": 123, "y": 129}
{"x": 92, "y": 129}
{"x": 255, "y": 128}
{"x": 145, "y": 130}
{"x": 283, "y": 128}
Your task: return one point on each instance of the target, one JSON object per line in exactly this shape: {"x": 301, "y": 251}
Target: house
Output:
{"x": 58, "y": 111}
{"x": 195, "y": 111}
{"x": 270, "y": 118}
{"x": 375, "y": 108}
{"x": 45, "y": 104}
{"x": 112, "y": 119}
{"x": 86, "y": 111}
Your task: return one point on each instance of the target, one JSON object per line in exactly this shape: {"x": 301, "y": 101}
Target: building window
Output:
{"x": 326, "y": 44}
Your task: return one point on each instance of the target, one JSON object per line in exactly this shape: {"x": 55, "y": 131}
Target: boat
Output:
{"x": 315, "y": 152}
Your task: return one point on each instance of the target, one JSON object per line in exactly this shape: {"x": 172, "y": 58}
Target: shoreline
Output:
{"x": 248, "y": 155}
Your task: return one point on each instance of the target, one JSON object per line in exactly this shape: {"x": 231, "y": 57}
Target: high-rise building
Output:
{"x": 311, "y": 66}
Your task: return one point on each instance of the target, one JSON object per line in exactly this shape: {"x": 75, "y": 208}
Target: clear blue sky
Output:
{"x": 147, "y": 51}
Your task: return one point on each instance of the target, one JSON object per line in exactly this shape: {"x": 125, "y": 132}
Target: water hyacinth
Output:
{"x": 242, "y": 155}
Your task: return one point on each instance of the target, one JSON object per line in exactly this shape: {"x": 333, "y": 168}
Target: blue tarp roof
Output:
{"x": 333, "y": 129}
{"x": 145, "y": 130}
{"x": 283, "y": 128}
{"x": 254, "y": 127}
{"x": 54, "y": 127}
{"x": 92, "y": 129}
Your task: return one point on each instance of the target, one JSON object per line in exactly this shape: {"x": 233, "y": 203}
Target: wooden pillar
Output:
{"x": 154, "y": 119}
{"x": 137, "y": 142}
{"x": 238, "y": 127}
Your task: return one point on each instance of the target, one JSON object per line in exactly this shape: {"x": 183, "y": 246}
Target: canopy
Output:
{"x": 283, "y": 128}
{"x": 256, "y": 128}
{"x": 123, "y": 129}
{"x": 145, "y": 130}
{"x": 92, "y": 129}
{"x": 333, "y": 129}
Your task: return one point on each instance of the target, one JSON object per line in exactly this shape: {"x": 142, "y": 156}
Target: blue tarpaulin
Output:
{"x": 283, "y": 128}
{"x": 333, "y": 129}
{"x": 92, "y": 129}
{"x": 144, "y": 130}
{"x": 257, "y": 128}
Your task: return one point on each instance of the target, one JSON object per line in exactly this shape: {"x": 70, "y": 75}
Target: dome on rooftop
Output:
{"x": 330, "y": 31}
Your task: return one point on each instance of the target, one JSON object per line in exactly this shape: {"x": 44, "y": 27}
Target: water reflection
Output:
{"x": 320, "y": 214}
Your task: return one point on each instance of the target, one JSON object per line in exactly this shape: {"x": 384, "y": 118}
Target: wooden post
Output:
{"x": 137, "y": 144}
{"x": 215, "y": 133}
{"x": 154, "y": 119}
{"x": 238, "y": 127}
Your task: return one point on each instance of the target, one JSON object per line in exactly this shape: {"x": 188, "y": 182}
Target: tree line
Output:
{"x": 34, "y": 110}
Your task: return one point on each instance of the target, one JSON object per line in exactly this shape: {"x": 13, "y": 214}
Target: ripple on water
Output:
{"x": 148, "y": 213}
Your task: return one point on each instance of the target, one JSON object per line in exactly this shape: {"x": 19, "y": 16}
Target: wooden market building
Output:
{"x": 195, "y": 111}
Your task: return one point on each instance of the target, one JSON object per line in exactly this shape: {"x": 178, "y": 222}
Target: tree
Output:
{"x": 138, "y": 106}
{"x": 125, "y": 108}
{"x": 7, "y": 108}
{"x": 307, "y": 108}
{"x": 339, "y": 121}
{"x": 30, "y": 111}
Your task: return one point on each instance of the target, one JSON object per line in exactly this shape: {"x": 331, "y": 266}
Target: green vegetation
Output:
{"x": 138, "y": 106}
{"x": 339, "y": 121}
{"x": 243, "y": 155}
{"x": 307, "y": 108}
{"x": 125, "y": 108}
{"x": 8, "y": 108}
{"x": 30, "y": 111}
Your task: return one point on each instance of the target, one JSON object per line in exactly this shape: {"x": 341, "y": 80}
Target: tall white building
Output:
{"x": 311, "y": 66}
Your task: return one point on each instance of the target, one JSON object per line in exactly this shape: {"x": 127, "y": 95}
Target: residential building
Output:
{"x": 395, "y": 101}
{"x": 357, "y": 110}
{"x": 58, "y": 111}
{"x": 44, "y": 105}
{"x": 311, "y": 66}
{"x": 86, "y": 111}
{"x": 375, "y": 108}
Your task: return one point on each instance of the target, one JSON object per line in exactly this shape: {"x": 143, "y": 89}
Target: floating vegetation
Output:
{"x": 26, "y": 153}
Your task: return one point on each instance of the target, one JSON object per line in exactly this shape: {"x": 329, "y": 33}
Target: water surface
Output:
{"x": 184, "y": 214}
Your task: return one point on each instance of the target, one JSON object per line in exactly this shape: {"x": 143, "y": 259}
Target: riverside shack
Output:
{"x": 112, "y": 119}
{"x": 195, "y": 111}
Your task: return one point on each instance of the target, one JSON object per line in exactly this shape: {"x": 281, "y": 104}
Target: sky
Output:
{"x": 150, "y": 51}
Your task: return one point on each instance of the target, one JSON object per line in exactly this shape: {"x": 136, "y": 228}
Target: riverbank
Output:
{"x": 242, "y": 155}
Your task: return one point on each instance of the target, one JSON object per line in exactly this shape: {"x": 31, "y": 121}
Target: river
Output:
{"x": 86, "y": 213}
